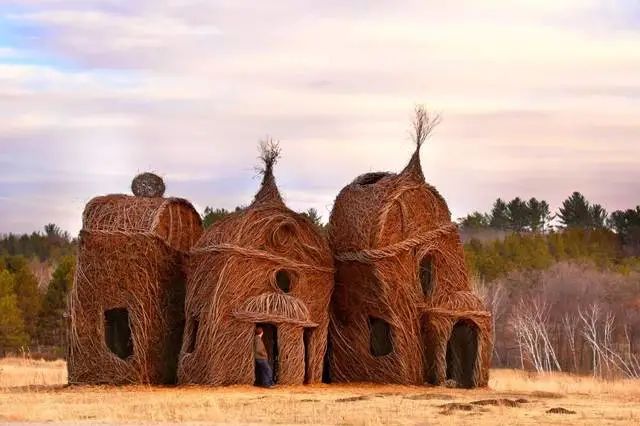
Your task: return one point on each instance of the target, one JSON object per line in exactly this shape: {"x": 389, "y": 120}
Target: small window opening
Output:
{"x": 283, "y": 280}
{"x": 117, "y": 332}
{"x": 380, "y": 343}
{"x": 193, "y": 335}
{"x": 426, "y": 275}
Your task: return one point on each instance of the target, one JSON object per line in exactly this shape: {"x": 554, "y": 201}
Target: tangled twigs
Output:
{"x": 130, "y": 270}
{"x": 263, "y": 265}
{"x": 386, "y": 230}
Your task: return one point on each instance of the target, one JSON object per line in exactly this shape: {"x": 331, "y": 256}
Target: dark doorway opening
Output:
{"x": 117, "y": 332}
{"x": 326, "y": 361}
{"x": 462, "y": 351}
{"x": 428, "y": 344}
{"x": 270, "y": 340}
{"x": 306, "y": 337}
{"x": 380, "y": 343}
{"x": 176, "y": 320}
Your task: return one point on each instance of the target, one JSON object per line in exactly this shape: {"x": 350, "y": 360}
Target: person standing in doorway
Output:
{"x": 264, "y": 374}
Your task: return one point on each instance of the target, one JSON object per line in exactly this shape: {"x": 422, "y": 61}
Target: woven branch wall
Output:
{"x": 382, "y": 228}
{"x": 131, "y": 262}
{"x": 232, "y": 286}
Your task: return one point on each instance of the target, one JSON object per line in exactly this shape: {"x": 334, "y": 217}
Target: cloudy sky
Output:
{"x": 539, "y": 98}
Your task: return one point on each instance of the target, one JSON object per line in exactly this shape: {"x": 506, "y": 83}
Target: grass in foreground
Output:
{"x": 34, "y": 391}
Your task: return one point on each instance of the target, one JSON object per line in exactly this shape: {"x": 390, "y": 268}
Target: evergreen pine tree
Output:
{"x": 26, "y": 290}
{"x": 500, "y": 215}
{"x": 12, "y": 334}
{"x": 51, "y": 322}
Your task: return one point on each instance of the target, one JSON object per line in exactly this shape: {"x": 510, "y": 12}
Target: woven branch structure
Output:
{"x": 147, "y": 185}
{"x": 264, "y": 265}
{"x": 402, "y": 308}
{"x": 127, "y": 301}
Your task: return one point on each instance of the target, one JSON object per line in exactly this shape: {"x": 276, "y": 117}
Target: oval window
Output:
{"x": 283, "y": 280}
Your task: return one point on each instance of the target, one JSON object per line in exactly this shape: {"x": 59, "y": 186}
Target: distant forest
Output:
{"x": 564, "y": 287}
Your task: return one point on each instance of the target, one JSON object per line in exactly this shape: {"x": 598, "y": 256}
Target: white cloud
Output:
{"x": 187, "y": 87}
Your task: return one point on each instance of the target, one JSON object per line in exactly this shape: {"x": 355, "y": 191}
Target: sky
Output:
{"x": 538, "y": 99}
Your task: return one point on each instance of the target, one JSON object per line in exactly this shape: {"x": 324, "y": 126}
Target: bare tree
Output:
{"x": 530, "y": 324}
{"x": 569, "y": 324}
{"x": 494, "y": 297}
{"x": 270, "y": 152}
{"x": 598, "y": 329}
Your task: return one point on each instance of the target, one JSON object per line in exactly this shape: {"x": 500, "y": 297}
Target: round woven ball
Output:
{"x": 147, "y": 185}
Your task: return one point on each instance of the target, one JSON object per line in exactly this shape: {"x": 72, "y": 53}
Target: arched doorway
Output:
{"x": 462, "y": 352}
{"x": 270, "y": 340}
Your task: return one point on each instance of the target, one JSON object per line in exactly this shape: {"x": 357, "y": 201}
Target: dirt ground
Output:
{"x": 34, "y": 391}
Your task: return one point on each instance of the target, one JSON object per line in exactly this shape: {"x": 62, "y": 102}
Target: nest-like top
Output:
{"x": 364, "y": 207}
{"x": 375, "y": 202}
{"x": 174, "y": 220}
{"x": 147, "y": 185}
{"x": 275, "y": 308}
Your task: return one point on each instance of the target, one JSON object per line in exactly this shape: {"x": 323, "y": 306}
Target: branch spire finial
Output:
{"x": 423, "y": 124}
{"x": 269, "y": 154}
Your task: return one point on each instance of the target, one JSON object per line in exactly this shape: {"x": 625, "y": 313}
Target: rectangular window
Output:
{"x": 117, "y": 332}
{"x": 380, "y": 343}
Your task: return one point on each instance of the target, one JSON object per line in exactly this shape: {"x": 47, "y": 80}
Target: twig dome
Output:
{"x": 126, "y": 304}
{"x": 402, "y": 310}
{"x": 157, "y": 300}
{"x": 265, "y": 265}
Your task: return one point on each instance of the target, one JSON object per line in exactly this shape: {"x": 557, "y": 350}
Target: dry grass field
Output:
{"x": 34, "y": 391}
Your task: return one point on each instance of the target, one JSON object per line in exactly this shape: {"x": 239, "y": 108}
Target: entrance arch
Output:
{"x": 462, "y": 353}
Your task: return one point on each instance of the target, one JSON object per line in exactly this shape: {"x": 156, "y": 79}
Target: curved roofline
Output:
{"x": 121, "y": 213}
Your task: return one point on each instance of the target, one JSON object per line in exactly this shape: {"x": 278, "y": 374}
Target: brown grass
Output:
{"x": 34, "y": 391}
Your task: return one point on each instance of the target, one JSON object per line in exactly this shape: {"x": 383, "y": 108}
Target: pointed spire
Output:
{"x": 414, "y": 167}
{"x": 269, "y": 154}
{"x": 423, "y": 124}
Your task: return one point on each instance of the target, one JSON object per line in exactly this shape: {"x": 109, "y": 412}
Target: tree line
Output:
{"x": 563, "y": 288}
{"x": 211, "y": 216}
{"x": 33, "y": 317}
{"x": 533, "y": 215}
{"x": 573, "y": 316}
{"x": 52, "y": 244}
{"x": 522, "y": 265}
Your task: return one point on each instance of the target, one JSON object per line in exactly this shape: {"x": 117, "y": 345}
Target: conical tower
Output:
{"x": 263, "y": 266}
{"x": 402, "y": 288}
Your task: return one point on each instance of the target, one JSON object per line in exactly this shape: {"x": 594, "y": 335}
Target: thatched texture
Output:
{"x": 238, "y": 278}
{"x": 127, "y": 301}
{"x": 402, "y": 286}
